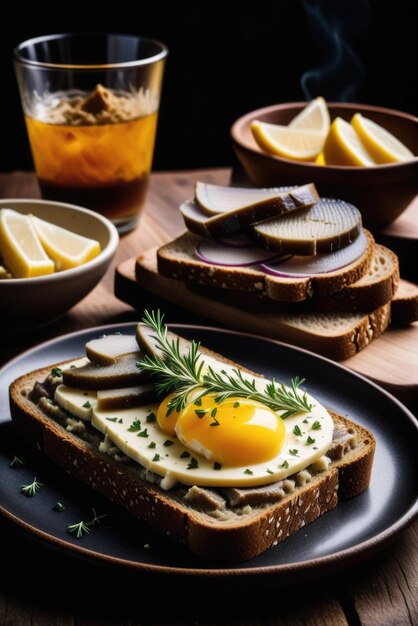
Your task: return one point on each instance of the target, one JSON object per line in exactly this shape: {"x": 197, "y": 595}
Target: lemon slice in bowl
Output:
{"x": 315, "y": 116}
{"x": 344, "y": 147}
{"x": 290, "y": 143}
{"x": 380, "y": 143}
{"x": 66, "y": 248}
{"x": 20, "y": 247}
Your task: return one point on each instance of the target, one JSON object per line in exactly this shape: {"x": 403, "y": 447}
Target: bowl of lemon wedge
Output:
{"x": 364, "y": 154}
{"x": 51, "y": 256}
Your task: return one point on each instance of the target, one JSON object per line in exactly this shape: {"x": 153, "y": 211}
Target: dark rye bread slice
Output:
{"x": 178, "y": 260}
{"x": 376, "y": 288}
{"x": 251, "y": 210}
{"x": 238, "y": 539}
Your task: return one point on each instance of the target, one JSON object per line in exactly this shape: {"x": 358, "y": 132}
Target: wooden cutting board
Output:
{"x": 390, "y": 360}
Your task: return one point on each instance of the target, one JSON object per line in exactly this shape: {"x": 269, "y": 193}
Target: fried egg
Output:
{"x": 237, "y": 442}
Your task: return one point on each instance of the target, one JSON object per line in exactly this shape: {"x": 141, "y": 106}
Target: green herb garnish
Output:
{"x": 112, "y": 419}
{"x": 200, "y": 413}
{"x": 248, "y": 471}
{"x": 17, "y": 461}
{"x": 297, "y": 431}
{"x": 193, "y": 464}
{"x": 269, "y": 471}
{"x": 150, "y": 418}
{"x": 143, "y": 433}
{"x": 152, "y": 445}
{"x": 310, "y": 440}
{"x": 285, "y": 464}
{"x": 215, "y": 422}
{"x": 294, "y": 451}
{"x": 156, "y": 457}
{"x": 182, "y": 374}
{"x": 32, "y": 489}
{"x": 235, "y": 405}
{"x": 316, "y": 426}
{"x": 56, "y": 372}
{"x": 135, "y": 426}
{"x": 80, "y": 529}
{"x": 87, "y": 405}
{"x": 168, "y": 443}
{"x": 58, "y": 507}
{"x": 185, "y": 455}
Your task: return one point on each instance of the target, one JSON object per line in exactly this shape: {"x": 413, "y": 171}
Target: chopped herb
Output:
{"x": 32, "y": 489}
{"x": 248, "y": 471}
{"x": 200, "y": 413}
{"x": 235, "y": 405}
{"x": 314, "y": 448}
{"x": 151, "y": 418}
{"x": 156, "y": 457}
{"x": 87, "y": 405}
{"x": 214, "y": 412}
{"x": 120, "y": 420}
{"x": 316, "y": 426}
{"x": 168, "y": 442}
{"x": 305, "y": 421}
{"x": 80, "y": 529}
{"x": 297, "y": 431}
{"x": 217, "y": 466}
{"x": 294, "y": 451}
{"x": 269, "y": 471}
{"x": 135, "y": 426}
{"x": 193, "y": 463}
{"x": 310, "y": 440}
{"x": 215, "y": 422}
{"x": 143, "y": 433}
{"x": 152, "y": 445}
{"x": 58, "y": 507}
{"x": 56, "y": 372}
{"x": 285, "y": 464}
{"x": 17, "y": 461}
{"x": 185, "y": 455}
{"x": 112, "y": 419}
{"x": 198, "y": 402}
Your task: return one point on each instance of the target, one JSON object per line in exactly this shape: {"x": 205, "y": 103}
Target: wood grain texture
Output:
{"x": 382, "y": 591}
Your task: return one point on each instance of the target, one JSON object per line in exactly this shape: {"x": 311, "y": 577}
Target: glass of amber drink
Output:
{"x": 91, "y": 106}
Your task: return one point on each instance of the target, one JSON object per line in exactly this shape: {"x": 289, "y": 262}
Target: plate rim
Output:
{"x": 329, "y": 562}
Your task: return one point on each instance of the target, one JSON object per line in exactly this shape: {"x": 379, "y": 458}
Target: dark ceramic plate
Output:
{"x": 351, "y": 532}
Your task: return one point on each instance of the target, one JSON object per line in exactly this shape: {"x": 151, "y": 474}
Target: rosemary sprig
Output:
{"x": 80, "y": 529}
{"x": 32, "y": 489}
{"x": 182, "y": 374}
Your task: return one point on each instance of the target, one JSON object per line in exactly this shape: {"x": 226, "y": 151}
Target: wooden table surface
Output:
{"x": 382, "y": 591}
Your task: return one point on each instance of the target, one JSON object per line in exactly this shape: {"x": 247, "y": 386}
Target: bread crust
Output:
{"x": 206, "y": 537}
{"x": 177, "y": 260}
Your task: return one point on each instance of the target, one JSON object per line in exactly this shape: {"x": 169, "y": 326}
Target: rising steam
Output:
{"x": 335, "y": 24}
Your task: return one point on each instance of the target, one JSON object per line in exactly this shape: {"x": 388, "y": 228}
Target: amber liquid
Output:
{"x": 102, "y": 167}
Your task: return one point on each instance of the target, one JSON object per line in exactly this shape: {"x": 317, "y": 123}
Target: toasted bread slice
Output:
{"x": 335, "y": 335}
{"x": 235, "y": 537}
{"x": 405, "y": 304}
{"x": 376, "y": 288}
{"x": 178, "y": 260}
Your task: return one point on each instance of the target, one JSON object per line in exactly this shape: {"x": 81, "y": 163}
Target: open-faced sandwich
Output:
{"x": 222, "y": 459}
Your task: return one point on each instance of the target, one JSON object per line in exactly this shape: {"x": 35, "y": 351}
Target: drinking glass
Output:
{"x": 91, "y": 106}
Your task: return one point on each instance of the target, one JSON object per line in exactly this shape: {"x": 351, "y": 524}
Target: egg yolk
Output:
{"x": 235, "y": 432}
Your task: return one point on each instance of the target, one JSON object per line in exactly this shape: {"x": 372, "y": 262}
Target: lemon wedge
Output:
{"x": 67, "y": 249}
{"x": 284, "y": 141}
{"x": 343, "y": 146}
{"x": 315, "y": 116}
{"x": 20, "y": 247}
{"x": 380, "y": 143}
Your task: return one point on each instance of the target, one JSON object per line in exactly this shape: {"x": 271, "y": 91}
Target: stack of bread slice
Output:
{"x": 302, "y": 263}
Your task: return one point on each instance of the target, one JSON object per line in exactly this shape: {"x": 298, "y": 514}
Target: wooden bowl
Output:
{"x": 381, "y": 192}
{"x": 32, "y": 302}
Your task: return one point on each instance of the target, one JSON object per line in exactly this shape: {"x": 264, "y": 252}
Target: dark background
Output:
{"x": 227, "y": 58}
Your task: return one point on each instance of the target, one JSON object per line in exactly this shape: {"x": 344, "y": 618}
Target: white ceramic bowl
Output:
{"x": 30, "y": 302}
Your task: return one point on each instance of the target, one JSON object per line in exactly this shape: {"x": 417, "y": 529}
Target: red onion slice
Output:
{"x": 214, "y": 253}
{"x": 304, "y": 266}
{"x": 238, "y": 240}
